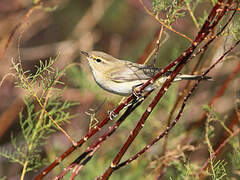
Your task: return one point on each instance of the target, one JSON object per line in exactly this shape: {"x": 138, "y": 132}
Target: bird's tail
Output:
{"x": 191, "y": 77}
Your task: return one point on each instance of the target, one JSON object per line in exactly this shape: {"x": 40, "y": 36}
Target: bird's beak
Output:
{"x": 85, "y": 53}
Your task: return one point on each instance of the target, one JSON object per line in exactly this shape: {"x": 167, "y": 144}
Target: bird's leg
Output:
{"x": 112, "y": 115}
{"x": 137, "y": 95}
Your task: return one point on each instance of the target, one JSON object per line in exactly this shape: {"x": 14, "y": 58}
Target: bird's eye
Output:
{"x": 98, "y": 60}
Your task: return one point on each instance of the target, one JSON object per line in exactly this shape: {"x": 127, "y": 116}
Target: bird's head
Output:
{"x": 100, "y": 61}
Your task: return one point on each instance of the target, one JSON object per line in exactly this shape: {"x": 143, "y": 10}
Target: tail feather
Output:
{"x": 192, "y": 77}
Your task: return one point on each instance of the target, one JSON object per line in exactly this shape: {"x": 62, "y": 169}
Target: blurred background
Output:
{"x": 61, "y": 28}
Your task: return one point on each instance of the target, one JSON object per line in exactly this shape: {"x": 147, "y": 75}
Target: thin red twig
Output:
{"x": 179, "y": 113}
{"x": 205, "y": 30}
{"x": 201, "y": 35}
{"x": 91, "y": 149}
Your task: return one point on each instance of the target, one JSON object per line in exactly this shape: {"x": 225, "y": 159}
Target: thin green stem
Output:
{"x": 210, "y": 149}
{"x": 192, "y": 15}
{"x": 24, "y": 170}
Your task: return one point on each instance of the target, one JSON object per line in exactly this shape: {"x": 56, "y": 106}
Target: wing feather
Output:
{"x": 132, "y": 72}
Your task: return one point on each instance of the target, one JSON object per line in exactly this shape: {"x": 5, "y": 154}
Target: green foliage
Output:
{"x": 214, "y": 116}
{"x": 218, "y": 170}
{"x": 122, "y": 28}
{"x": 180, "y": 170}
{"x": 177, "y": 9}
{"x": 235, "y": 30}
{"x": 173, "y": 9}
{"x": 34, "y": 122}
{"x": 235, "y": 156}
{"x": 44, "y": 77}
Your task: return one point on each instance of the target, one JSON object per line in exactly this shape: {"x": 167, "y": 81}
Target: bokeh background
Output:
{"x": 123, "y": 29}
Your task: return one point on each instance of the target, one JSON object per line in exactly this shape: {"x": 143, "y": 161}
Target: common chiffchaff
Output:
{"x": 120, "y": 76}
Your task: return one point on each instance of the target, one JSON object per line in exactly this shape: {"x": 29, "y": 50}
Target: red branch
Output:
{"x": 205, "y": 30}
{"x": 208, "y": 26}
{"x": 92, "y": 149}
{"x": 179, "y": 113}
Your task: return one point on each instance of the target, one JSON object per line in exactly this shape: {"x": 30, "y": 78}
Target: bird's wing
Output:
{"x": 132, "y": 72}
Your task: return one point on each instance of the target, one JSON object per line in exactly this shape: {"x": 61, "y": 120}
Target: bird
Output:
{"x": 121, "y": 76}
